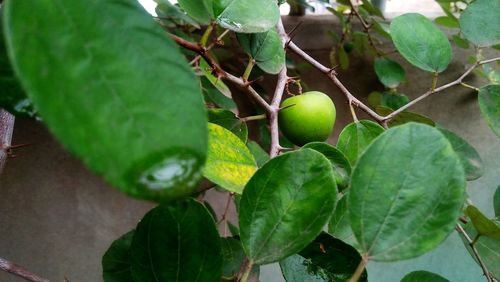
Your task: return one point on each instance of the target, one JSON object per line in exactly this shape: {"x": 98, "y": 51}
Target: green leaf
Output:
{"x": 375, "y": 98}
{"x": 116, "y": 260}
{"x": 118, "y": 102}
{"x": 177, "y": 242}
{"x": 235, "y": 231}
{"x": 421, "y": 43}
{"x": 489, "y": 103}
{"x": 469, "y": 157}
{"x": 13, "y": 98}
{"x": 229, "y": 162}
{"x": 265, "y": 48}
{"x": 382, "y": 29}
{"x": 324, "y": 260}
{"x": 343, "y": 58}
{"x": 483, "y": 225}
{"x": 285, "y": 205}
{"x": 356, "y": 136}
{"x": 488, "y": 249}
{"x": 260, "y": 155}
{"x": 199, "y": 10}
{"x": 215, "y": 81}
{"x": 422, "y": 275}
{"x": 480, "y": 21}
{"x": 446, "y": 21}
{"x": 407, "y": 202}
{"x": 340, "y": 164}
{"x": 373, "y": 10}
{"x": 496, "y": 202}
{"x": 245, "y": 16}
{"x": 170, "y": 13}
{"x": 460, "y": 42}
{"x": 389, "y": 72}
{"x": 229, "y": 121}
{"x": 214, "y": 96}
{"x": 394, "y": 100}
{"x": 404, "y": 117}
{"x": 340, "y": 226}
{"x": 233, "y": 255}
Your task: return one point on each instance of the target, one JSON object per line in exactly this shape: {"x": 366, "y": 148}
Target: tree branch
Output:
{"x": 6, "y": 129}
{"x": 439, "y": 89}
{"x": 462, "y": 232}
{"x": 20, "y": 271}
{"x": 278, "y": 96}
{"x": 354, "y": 101}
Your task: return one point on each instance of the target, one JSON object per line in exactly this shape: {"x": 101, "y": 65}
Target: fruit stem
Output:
{"x": 252, "y": 118}
{"x": 246, "y": 271}
{"x": 434, "y": 81}
{"x": 206, "y": 35}
{"x": 361, "y": 267}
{"x": 248, "y": 70}
{"x": 353, "y": 112}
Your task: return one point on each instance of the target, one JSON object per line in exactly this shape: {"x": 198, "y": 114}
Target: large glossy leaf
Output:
{"x": 488, "y": 249}
{"x": 325, "y": 260}
{"x": 116, "y": 260}
{"x": 115, "y": 92}
{"x": 285, "y": 205}
{"x": 356, "y": 136}
{"x": 404, "y": 117}
{"x": 229, "y": 121}
{"x": 489, "y": 103}
{"x": 246, "y": 16}
{"x": 422, "y": 275}
{"x": 406, "y": 193}
{"x": 482, "y": 224}
{"x": 469, "y": 157}
{"x": 480, "y": 21}
{"x": 229, "y": 162}
{"x": 265, "y": 48}
{"x": 177, "y": 242}
{"x": 339, "y": 225}
{"x": 421, "y": 42}
{"x": 389, "y": 72}
{"x": 200, "y": 10}
{"x": 340, "y": 164}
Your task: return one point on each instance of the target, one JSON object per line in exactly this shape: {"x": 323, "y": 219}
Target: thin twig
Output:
{"x": 6, "y": 129}
{"x": 20, "y": 271}
{"x": 215, "y": 42}
{"x": 471, "y": 242}
{"x": 366, "y": 27}
{"x": 439, "y": 89}
{"x": 354, "y": 101}
{"x": 223, "y": 219}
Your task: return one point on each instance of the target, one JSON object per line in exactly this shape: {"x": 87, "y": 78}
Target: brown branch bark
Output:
{"x": 20, "y": 271}
{"x": 6, "y": 129}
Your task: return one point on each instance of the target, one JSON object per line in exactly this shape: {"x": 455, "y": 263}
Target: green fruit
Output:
{"x": 307, "y": 118}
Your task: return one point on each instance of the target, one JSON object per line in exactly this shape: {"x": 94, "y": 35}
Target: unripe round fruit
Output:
{"x": 307, "y": 118}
